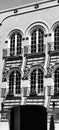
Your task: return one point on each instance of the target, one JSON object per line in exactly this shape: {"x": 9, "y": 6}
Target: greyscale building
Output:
{"x": 29, "y": 58}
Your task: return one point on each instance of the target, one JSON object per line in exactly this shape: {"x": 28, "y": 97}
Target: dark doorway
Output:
{"x": 29, "y": 117}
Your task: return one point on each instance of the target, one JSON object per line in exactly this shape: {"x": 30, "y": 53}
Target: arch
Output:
{"x": 14, "y": 31}
{"x": 54, "y": 67}
{"x": 36, "y": 66}
{"x": 55, "y": 30}
{"x": 13, "y": 69}
{"x": 55, "y": 24}
{"x": 39, "y": 24}
{"x": 15, "y": 43}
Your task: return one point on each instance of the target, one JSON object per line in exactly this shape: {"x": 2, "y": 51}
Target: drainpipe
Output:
{"x": 47, "y": 60}
{"x": 23, "y": 98}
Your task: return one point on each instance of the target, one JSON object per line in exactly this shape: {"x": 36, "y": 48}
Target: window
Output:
{"x": 37, "y": 81}
{"x": 15, "y": 44}
{"x": 37, "y": 38}
{"x": 56, "y": 38}
{"x": 14, "y": 82}
{"x": 56, "y": 81}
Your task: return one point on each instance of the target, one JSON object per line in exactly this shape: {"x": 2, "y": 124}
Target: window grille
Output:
{"x": 56, "y": 38}
{"x": 37, "y": 38}
{"x": 3, "y": 92}
{"x": 56, "y": 81}
{"x": 37, "y": 81}
{"x": 15, "y": 44}
{"x": 14, "y": 83}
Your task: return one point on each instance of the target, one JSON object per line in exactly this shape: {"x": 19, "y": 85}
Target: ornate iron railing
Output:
{"x": 32, "y": 49}
{"x": 14, "y": 52}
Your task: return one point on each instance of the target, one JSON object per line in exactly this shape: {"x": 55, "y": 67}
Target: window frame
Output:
{"x": 56, "y": 38}
{"x": 14, "y": 83}
{"x": 37, "y": 85}
{"x": 56, "y": 81}
{"x": 17, "y": 39}
{"x": 36, "y": 40}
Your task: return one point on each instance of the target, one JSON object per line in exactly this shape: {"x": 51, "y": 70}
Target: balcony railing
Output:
{"x": 32, "y": 49}
{"x": 3, "y": 92}
{"x": 7, "y": 91}
{"x": 53, "y": 48}
{"x": 15, "y": 52}
{"x": 29, "y": 49}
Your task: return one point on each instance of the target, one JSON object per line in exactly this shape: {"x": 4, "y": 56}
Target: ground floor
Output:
{"x": 5, "y": 126}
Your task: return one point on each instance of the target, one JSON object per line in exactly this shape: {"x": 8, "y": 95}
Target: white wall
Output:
{"x": 4, "y": 126}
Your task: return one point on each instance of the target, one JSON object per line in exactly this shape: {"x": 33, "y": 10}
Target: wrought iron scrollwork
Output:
{"x": 4, "y": 77}
{"x": 26, "y": 72}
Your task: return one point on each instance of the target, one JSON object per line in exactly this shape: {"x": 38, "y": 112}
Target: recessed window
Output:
{"x": 14, "y": 83}
{"x": 37, "y": 39}
{"x": 37, "y": 81}
{"x": 56, "y": 38}
{"x": 56, "y": 81}
{"x": 15, "y": 44}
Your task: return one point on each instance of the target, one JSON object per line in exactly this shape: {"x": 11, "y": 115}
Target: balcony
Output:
{"x": 34, "y": 50}
{"x": 3, "y": 92}
{"x": 12, "y": 53}
{"x": 53, "y": 50}
{"x": 11, "y": 93}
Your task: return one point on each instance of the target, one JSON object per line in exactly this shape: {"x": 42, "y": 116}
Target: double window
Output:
{"x": 37, "y": 39}
{"x": 15, "y": 44}
{"x": 14, "y": 83}
{"x": 37, "y": 81}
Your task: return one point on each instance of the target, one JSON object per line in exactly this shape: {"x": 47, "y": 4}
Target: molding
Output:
{"x": 27, "y": 5}
{"x": 15, "y": 10}
{"x": 39, "y": 24}
{"x": 30, "y": 8}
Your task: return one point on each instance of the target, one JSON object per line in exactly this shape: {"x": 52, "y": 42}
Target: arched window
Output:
{"x": 37, "y": 81}
{"x": 14, "y": 82}
{"x": 56, "y": 38}
{"x": 15, "y": 44}
{"x": 56, "y": 81}
{"x": 37, "y": 39}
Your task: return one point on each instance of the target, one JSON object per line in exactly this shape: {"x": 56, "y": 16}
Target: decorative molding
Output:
{"x": 15, "y": 10}
{"x": 36, "y": 6}
{"x": 50, "y": 34}
{"x": 4, "y": 77}
{"x": 26, "y": 72}
{"x": 46, "y": 35}
{"x": 6, "y": 41}
{"x": 27, "y": 38}
{"x": 23, "y": 39}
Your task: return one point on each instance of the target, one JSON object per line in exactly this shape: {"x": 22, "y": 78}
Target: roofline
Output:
{"x": 26, "y": 5}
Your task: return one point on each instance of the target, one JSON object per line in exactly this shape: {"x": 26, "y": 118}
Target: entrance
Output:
{"x": 28, "y": 117}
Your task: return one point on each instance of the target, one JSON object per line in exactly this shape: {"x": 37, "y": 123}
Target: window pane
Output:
{"x": 11, "y": 83}
{"x": 33, "y": 81}
{"x": 56, "y": 80}
{"x": 18, "y": 80}
{"x": 56, "y": 38}
{"x": 40, "y": 40}
{"x": 12, "y": 45}
{"x": 33, "y": 42}
{"x": 19, "y": 39}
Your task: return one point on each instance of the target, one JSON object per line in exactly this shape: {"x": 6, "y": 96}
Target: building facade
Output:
{"x": 29, "y": 57}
